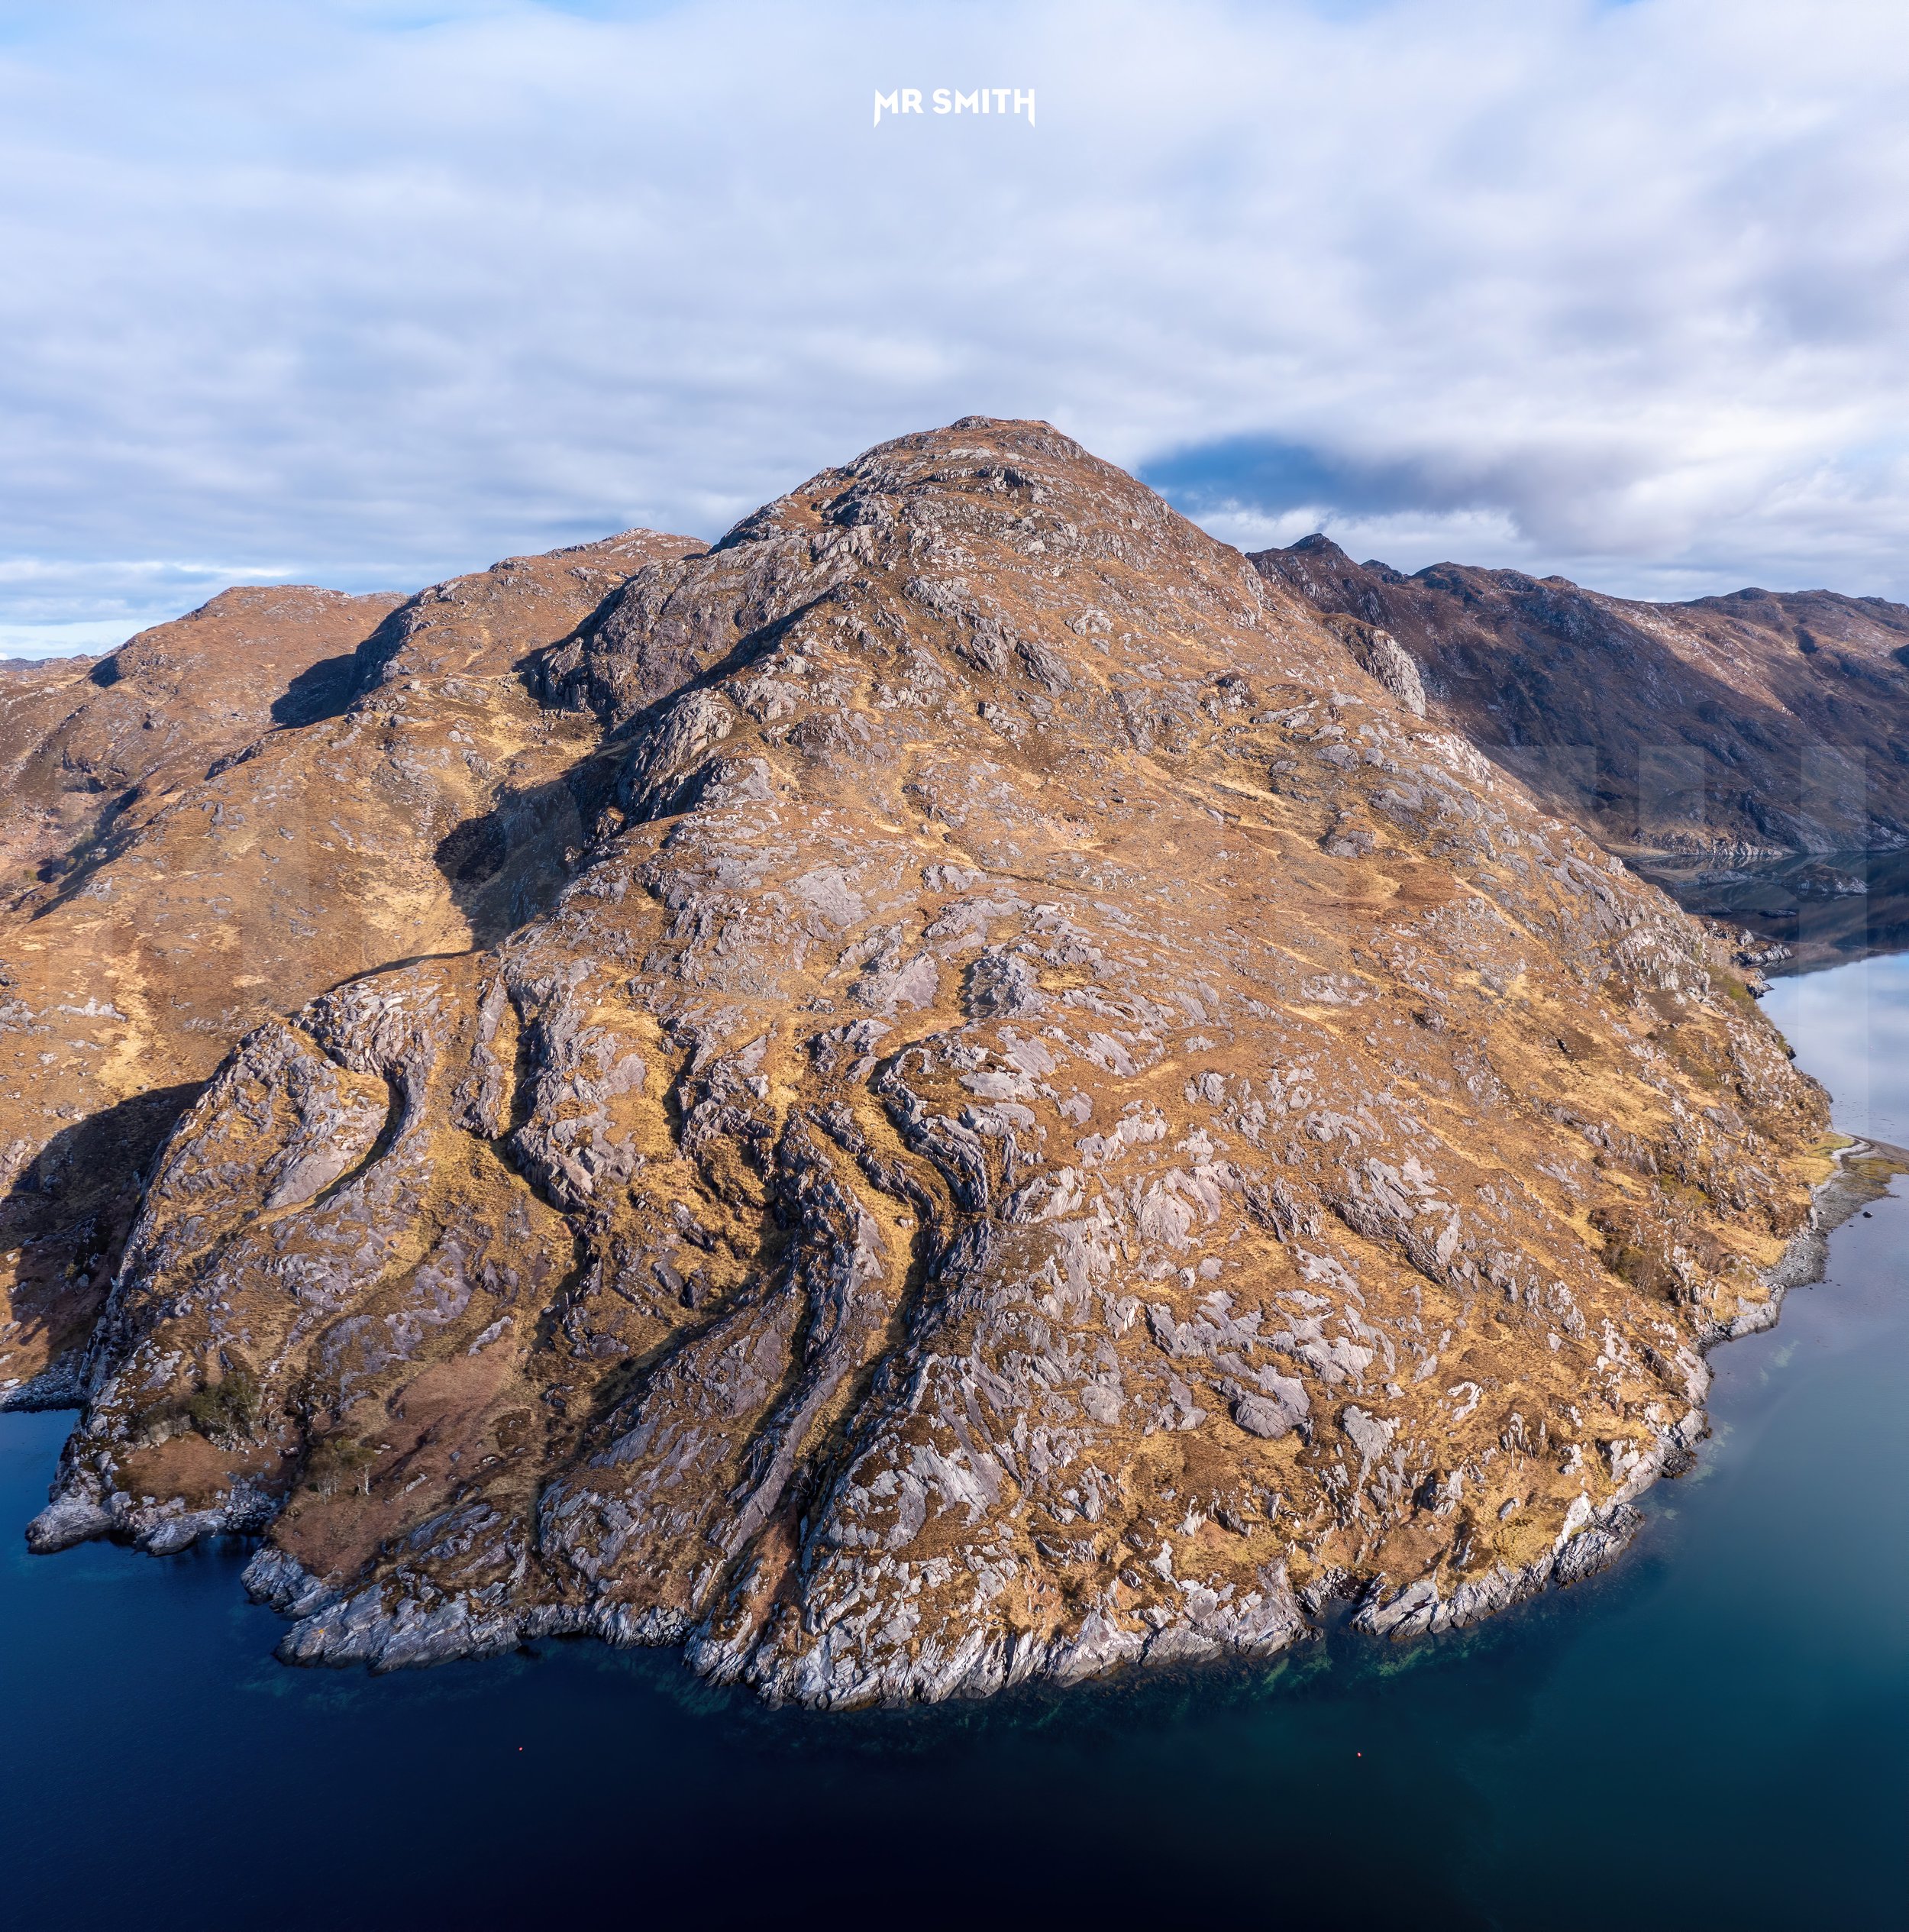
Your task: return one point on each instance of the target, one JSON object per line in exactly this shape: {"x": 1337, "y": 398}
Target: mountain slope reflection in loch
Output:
{"x": 1716, "y": 1733}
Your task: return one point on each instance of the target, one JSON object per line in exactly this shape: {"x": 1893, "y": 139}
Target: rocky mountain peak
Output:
{"x": 956, "y": 1086}
{"x": 981, "y": 541}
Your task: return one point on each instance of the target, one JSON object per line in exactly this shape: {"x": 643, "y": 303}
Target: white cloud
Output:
{"x": 379, "y": 292}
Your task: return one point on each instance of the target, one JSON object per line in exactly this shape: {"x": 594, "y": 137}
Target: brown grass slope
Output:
{"x": 93, "y": 748}
{"x": 1052, "y": 1121}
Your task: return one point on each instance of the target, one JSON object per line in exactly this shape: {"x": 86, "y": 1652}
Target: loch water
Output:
{"x": 1715, "y": 1733}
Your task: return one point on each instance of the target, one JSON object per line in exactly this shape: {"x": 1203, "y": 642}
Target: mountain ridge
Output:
{"x": 1746, "y": 726}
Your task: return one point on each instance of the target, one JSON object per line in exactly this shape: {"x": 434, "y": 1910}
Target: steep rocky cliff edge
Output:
{"x": 956, "y": 1087}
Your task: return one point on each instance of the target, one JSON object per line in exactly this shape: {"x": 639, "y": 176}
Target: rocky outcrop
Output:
{"x": 1048, "y": 1120}
{"x": 1731, "y": 729}
{"x": 1381, "y": 654}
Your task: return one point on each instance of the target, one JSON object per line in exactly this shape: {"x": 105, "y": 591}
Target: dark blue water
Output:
{"x": 1716, "y": 1734}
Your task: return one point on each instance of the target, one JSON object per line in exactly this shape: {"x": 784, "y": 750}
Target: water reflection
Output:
{"x": 1855, "y": 1024}
{"x": 1828, "y": 908}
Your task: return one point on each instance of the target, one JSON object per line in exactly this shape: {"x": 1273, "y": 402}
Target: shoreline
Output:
{"x": 331, "y": 1628}
{"x": 1862, "y": 1173}
{"x": 339, "y": 1631}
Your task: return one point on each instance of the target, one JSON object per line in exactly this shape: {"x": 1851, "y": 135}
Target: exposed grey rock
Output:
{"x": 68, "y": 1519}
{"x": 1272, "y": 1416}
{"x": 1002, "y": 983}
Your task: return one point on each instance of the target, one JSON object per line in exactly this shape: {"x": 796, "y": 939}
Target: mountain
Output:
{"x": 221, "y": 820}
{"x": 955, "y": 1088}
{"x": 1746, "y": 727}
{"x": 93, "y": 747}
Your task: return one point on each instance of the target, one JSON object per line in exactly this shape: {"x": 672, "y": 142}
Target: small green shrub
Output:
{"x": 229, "y": 1407}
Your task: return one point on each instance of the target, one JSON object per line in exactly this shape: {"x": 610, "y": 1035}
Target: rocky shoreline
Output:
{"x": 347, "y": 1631}
{"x": 343, "y": 1630}
{"x": 1862, "y": 1172}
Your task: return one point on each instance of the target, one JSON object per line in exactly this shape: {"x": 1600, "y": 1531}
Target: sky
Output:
{"x": 367, "y": 292}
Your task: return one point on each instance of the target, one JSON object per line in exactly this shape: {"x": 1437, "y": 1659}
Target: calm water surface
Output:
{"x": 1717, "y": 1734}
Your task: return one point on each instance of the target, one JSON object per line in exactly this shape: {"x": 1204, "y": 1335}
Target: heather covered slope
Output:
{"x": 1740, "y": 727}
{"x": 1053, "y": 1120}
{"x": 271, "y": 793}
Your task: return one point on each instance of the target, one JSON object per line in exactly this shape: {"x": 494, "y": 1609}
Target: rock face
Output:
{"x": 1049, "y": 1119}
{"x": 1730, "y": 728}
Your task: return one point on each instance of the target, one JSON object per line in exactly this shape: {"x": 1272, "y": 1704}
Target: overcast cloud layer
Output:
{"x": 366, "y": 293}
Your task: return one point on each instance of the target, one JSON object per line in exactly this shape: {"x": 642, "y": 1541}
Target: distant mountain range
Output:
{"x": 1741, "y": 727}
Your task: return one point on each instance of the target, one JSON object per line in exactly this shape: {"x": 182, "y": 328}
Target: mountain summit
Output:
{"x": 956, "y": 1087}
